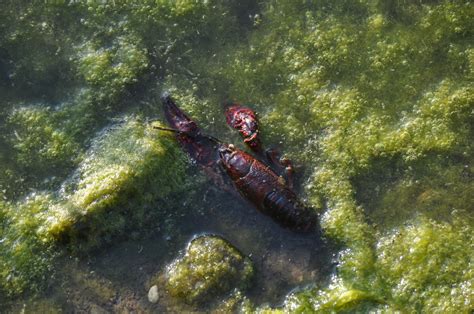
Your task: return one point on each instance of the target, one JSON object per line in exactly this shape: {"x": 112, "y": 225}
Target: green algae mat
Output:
{"x": 372, "y": 100}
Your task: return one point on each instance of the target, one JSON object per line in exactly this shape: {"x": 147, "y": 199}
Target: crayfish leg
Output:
{"x": 281, "y": 165}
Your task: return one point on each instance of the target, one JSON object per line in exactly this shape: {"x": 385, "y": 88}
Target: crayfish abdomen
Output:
{"x": 265, "y": 189}
{"x": 289, "y": 212}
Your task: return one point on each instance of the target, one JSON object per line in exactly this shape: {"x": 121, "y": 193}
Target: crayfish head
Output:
{"x": 226, "y": 152}
{"x": 234, "y": 161}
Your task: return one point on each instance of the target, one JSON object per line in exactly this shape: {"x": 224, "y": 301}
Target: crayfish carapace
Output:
{"x": 256, "y": 181}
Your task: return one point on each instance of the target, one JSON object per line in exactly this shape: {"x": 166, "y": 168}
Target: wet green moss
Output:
{"x": 428, "y": 265}
{"x": 371, "y": 97}
{"x": 131, "y": 162}
{"x": 44, "y": 143}
{"x": 39, "y": 139}
{"x": 109, "y": 71}
{"x": 25, "y": 260}
{"x": 210, "y": 267}
{"x": 337, "y": 298}
{"x": 237, "y": 302}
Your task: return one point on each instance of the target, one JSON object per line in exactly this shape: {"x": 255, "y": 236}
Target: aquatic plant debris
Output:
{"x": 373, "y": 98}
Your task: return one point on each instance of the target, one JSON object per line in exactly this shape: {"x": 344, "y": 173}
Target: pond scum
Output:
{"x": 374, "y": 98}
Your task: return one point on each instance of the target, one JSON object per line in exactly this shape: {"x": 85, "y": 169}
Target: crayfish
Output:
{"x": 256, "y": 179}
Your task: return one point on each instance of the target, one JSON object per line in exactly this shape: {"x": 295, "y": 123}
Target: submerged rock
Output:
{"x": 209, "y": 268}
{"x": 153, "y": 295}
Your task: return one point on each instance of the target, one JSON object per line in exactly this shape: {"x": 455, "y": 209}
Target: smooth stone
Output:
{"x": 153, "y": 294}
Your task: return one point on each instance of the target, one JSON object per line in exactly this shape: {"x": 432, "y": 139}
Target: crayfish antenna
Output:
{"x": 211, "y": 138}
{"x": 168, "y": 129}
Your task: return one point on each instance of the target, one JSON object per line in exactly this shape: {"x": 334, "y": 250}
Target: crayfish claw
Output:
{"x": 245, "y": 121}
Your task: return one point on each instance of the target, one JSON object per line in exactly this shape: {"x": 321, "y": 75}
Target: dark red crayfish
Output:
{"x": 244, "y": 120}
{"x": 254, "y": 180}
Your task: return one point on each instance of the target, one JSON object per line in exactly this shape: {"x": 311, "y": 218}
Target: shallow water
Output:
{"x": 371, "y": 100}
{"x": 117, "y": 277}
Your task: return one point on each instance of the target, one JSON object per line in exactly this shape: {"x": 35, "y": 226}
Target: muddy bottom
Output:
{"x": 117, "y": 278}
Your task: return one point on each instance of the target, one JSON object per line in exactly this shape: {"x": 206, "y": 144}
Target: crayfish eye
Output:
{"x": 226, "y": 152}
